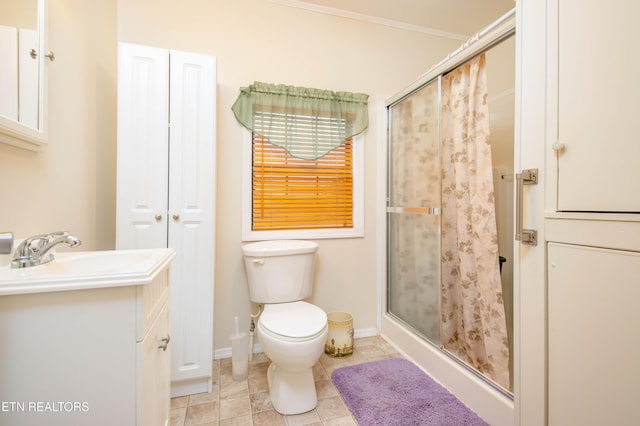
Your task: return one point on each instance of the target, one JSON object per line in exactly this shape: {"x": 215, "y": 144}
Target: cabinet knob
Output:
{"x": 165, "y": 343}
{"x": 158, "y": 217}
{"x": 558, "y": 146}
{"x": 50, "y": 55}
{"x": 176, "y": 216}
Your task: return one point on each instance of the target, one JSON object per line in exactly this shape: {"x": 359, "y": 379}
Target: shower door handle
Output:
{"x": 414, "y": 210}
{"x": 527, "y": 177}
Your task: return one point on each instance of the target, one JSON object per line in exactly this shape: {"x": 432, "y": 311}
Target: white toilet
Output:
{"x": 292, "y": 332}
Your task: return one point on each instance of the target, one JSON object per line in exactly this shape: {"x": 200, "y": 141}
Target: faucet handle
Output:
{"x": 40, "y": 242}
{"x": 30, "y": 245}
{"x": 57, "y": 234}
{"x": 6, "y": 242}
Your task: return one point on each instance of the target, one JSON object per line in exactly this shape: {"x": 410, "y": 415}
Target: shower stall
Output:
{"x": 449, "y": 221}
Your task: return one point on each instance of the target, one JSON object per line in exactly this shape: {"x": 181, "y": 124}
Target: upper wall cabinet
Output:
{"x": 23, "y": 74}
{"x": 594, "y": 91}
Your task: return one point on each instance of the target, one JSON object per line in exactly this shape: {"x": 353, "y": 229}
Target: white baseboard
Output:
{"x": 365, "y": 332}
{"x": 190, "y": 387}
{"x": 357, "y": 334}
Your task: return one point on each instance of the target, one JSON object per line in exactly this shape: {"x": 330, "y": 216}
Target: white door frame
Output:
{"x": 530, "y": 345}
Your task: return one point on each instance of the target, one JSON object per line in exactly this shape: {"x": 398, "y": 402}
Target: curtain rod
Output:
{"x": 491, "y": 35}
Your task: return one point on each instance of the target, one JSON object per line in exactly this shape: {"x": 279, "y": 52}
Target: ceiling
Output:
{"x": 462, "y": 17}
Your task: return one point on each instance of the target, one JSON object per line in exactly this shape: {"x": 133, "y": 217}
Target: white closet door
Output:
{"x": 143, "y": 117}
{"x": 191, "y": 213}
{"x": 598, "y": 92}
{"x": 594, "y": 378}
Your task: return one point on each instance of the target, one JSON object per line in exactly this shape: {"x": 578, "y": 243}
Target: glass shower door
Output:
{"x": 413, "y": 211}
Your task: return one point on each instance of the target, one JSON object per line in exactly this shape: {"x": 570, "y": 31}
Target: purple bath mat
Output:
{"x": 395, "y": 392}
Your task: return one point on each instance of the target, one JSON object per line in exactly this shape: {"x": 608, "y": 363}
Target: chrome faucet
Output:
{"x": 37, "y": 250}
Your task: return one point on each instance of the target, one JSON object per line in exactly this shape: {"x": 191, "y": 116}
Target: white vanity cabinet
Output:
{"x": 155, "y": 354}
{"x": 89, "y": 353}
{"x": 166, "y": 189}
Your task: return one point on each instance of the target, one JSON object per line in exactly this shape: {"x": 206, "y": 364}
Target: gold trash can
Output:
{"x": 340, "y": 338}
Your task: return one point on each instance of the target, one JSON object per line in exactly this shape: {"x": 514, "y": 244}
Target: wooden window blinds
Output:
{"x": 292, "y": 194}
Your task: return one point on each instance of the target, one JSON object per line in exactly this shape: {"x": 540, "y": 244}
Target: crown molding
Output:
{"x": 370, "y": 19}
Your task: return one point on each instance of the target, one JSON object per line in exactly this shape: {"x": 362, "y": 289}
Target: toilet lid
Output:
{"x": 296, "y": 319}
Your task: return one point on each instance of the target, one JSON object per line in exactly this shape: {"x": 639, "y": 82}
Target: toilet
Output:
{"x": 292, "y": 332}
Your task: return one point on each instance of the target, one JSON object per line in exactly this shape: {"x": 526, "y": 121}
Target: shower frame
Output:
{"x": 490, "y": 401}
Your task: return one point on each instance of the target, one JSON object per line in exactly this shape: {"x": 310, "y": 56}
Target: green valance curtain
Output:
{"x": 308, "y": 123}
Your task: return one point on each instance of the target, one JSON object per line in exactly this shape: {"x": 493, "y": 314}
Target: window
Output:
{"x": 302, "y": 164}
{"x": 289, "y": 193}
{"x": 286, "y": 197}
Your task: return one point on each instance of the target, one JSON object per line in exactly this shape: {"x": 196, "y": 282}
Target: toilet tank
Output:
{"x": 280, "y": 271}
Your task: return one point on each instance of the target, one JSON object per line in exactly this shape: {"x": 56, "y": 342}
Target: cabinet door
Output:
{"x": 28, "y": 79}
{"x": 154, "y": 361}
{"x": 192, "y": 213}
{"x": 143, "y": 119}
{"x": 594, "y": 378}
{"x": 9, "y": 72}
{"x": 598, "y": 91}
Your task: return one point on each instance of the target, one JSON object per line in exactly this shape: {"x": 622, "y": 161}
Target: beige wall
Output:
{"x": 259, "y": 40}
{"x": 19, "y": 13}
{"x": 72, "y": 185}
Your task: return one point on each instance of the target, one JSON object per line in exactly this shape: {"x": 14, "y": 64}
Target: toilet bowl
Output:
{"x": 292, "y": 336}
{"x": 292, "y": 332}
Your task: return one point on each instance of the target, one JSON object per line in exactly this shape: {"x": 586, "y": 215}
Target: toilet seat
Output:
{"x": 293, "y": 321}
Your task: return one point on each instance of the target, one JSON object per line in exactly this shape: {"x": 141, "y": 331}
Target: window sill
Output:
{"x": 302, "y": 234}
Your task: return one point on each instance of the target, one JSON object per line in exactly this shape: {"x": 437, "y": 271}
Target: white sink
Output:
{"x": 99, "y": 262}
{"x": 90, "y": 269}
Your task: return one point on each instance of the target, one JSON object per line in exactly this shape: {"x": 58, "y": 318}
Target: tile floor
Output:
{"x": 247, "y": 403}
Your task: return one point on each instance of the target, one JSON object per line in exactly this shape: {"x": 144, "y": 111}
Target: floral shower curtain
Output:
{"x": 473, "y": 318}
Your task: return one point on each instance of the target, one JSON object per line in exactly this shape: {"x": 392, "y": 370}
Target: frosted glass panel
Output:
{"x": 413, "y": 220}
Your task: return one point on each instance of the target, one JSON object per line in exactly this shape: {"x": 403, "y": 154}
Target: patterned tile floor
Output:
{"x": 247, "y": 403}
